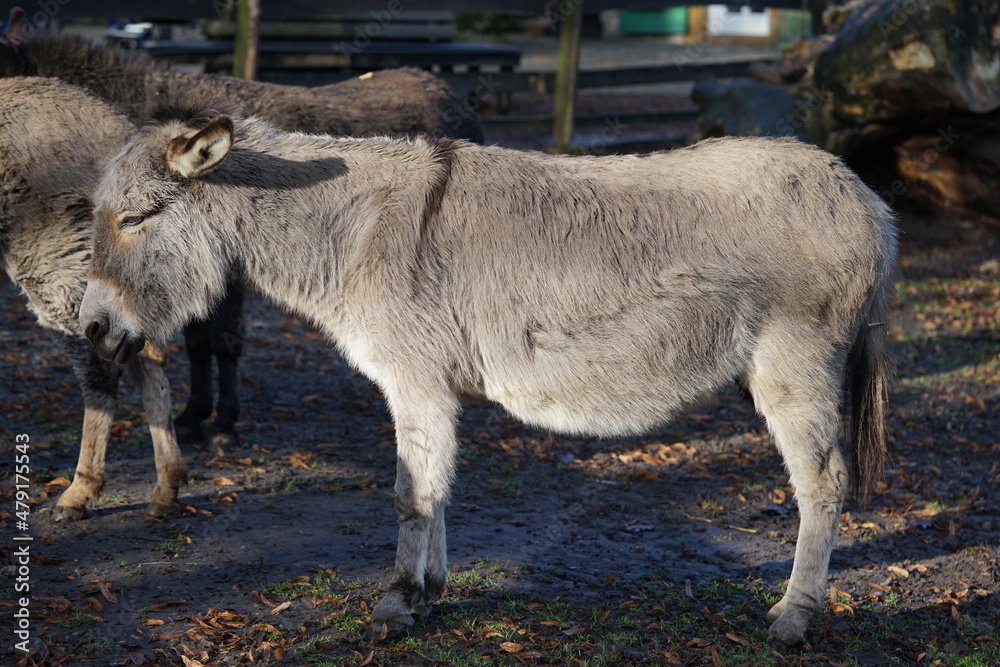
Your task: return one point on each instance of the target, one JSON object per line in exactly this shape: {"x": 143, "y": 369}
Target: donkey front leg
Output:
{"x": 146, "y": 373}
{"x": 99, "y": 381}
{"x": 426, "y": 447}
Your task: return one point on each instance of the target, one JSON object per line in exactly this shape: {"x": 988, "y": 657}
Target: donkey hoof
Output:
{"x": 225, "y": 438}
{"x": 159, "y": 509}
{"x": 387, "y": 629}
{"x": 390, "y": 617}
{"x": 786, "y": 634}
{"x": 189, "y": 433}
{"x": 69, "y": 513}
{"x": 775, "y": 612}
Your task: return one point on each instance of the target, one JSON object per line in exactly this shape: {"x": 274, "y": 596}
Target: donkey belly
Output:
{"x": 611, "y": 379}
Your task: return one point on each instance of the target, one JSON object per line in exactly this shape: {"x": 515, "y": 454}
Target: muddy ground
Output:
{"x": 657, "y": 550}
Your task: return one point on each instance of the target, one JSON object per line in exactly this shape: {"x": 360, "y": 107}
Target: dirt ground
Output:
{"x": 657, "y": 550}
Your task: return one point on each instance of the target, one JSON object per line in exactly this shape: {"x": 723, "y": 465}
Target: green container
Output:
{"x": 669, "y": 21}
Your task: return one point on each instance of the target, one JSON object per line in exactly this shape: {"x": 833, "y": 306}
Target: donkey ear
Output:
{"x": 189, "y": 157}
{"x": 18, "y": 28}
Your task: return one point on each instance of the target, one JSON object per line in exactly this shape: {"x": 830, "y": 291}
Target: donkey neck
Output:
{"x": 316, "y": 211}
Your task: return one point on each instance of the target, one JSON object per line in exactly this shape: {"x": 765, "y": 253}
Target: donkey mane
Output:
{"x": 48, "y": 47}
{"x": 195, "y": 116}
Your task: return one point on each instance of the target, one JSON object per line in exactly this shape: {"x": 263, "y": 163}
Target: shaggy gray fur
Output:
{"x": 396, "y": 101}
{"x": 585, "y": 295}
{"x": 54, "y": 141}
{"x": 41, "y": 159}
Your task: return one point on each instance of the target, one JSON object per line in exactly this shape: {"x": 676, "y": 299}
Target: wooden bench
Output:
{"x": 564, "y": 13}
{"x": 312, "y": 63}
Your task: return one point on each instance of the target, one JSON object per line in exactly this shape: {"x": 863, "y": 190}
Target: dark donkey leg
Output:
{"x": 197, "y": 337}
{"x": 227, "y": 334}
{"x": 221, "y": 337}
{"x": 99, "y": 381}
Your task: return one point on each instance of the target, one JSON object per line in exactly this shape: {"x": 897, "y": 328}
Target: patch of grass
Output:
{"x": 322, "y": 584}
{"x": 174, "y": 547}
{"x": 78, "y": 619}
{"x": 936, "y": 506}
{"x": 42, "y": 477}
{"x": 95, "y": 647}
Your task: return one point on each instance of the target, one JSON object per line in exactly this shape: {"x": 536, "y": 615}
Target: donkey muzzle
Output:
{"x": 103, "y": 325}
{"x": 120, "y": 349}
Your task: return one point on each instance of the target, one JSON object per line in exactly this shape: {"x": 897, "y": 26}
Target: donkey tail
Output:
{"x": 870, "y": 369}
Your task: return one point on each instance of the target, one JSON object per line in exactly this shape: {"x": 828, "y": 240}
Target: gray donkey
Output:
{"x": 585, "y": 295}
{"x": 396, "y": 102}
{"x": 54, "y": 142}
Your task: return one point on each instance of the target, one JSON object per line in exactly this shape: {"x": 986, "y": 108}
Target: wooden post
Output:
{"x": 566, "y": 71}
{"x": 245, "y": 50}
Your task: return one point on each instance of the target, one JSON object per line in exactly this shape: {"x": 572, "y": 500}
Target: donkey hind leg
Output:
{"x": 799, "y": 398}
{"x": 426, "y": 447}
{"x": 146, "y": 373}
{"x": 197, "y": 341}
{"x": 99, "y": 381}
{"x": 227, "y": 335}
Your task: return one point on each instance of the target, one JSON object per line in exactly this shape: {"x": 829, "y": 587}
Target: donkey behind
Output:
{"x": 397, "y": 102}
{"x": 586, "y": 295}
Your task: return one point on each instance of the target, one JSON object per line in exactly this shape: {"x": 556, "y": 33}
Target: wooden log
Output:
{"x": 953, "y": 166}
{"x": 892, "y": 62}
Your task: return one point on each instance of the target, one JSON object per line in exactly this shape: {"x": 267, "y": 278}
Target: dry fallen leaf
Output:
{"x": 300, "y": 460}
{"x": 281, "y": 607}
{"x": 223, "y": 481}
{"x": 105, "y": 591}
{"x": 898, "y": 571}
{"x": 511, "y": 647}
{"x": 57, "y": 604}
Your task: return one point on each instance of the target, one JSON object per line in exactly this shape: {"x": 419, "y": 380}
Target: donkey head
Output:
{"x": 12, "y": 62}
{"x": 158, "y": 264}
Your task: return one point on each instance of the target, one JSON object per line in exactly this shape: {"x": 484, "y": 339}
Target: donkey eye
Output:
{"x": 131, "y": 221}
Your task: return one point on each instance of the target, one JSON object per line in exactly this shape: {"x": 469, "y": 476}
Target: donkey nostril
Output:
{"x": 94, "y": 331}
